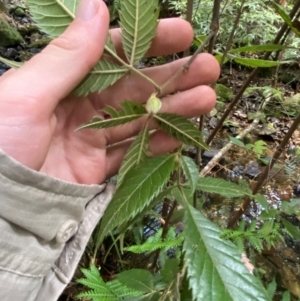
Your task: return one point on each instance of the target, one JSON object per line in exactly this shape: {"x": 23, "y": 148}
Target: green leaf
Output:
{"x": 285, "y": 17}
{"x": 137, "y": 279}
{"x": 214, "y": 266}
{"x": 106, "y": 291}
{"x": 261, "y": 199}
{"x": 291, "y": 229}
{"x": 103, "y": 75}
{"x": 191, "y": 171}
{"x": 181, "y": 129}
{"x": 271, "y": 288}
{"x": 286, "y": 296}
{"x": 139, "y": 187}
{"x": 130, "y": 111}
{"x": 138, "y": 22}
{"x": 291, "y": 207}
{"x": 257, "y": 63}
{"x": 254, "y": 48}
{"x": 135, "y": 155}
{"x": 11, "y": 64}
{"x": 222, "y": 187}
{"x": 236, "y": 141}
{"x": 170, "y": 270}
{"x": 53, "y": 17}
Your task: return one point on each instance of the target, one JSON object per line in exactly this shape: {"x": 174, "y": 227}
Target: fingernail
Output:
{"x": 87, "y": 9}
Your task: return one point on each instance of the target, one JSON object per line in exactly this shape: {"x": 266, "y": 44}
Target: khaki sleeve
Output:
{"x": 45, "y": 225}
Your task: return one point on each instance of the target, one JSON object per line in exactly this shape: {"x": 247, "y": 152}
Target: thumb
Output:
{"x": 54, "y": 73}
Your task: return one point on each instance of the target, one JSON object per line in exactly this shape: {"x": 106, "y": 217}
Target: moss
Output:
{"x": 9, "y": 36}
{"x": 224, "y": 94}
{"x": 40, "y": 43}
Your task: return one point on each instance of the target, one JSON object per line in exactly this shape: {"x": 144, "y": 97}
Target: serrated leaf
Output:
{"x": 53, "y": 17}
{"x": 137, "y": 279}
{"x": 130, "y": 111}
{"x": 222, "y": 187}
{"x": 135, "y": 155}
{"x": 214, "y": 266}
{"x": 191, "y": 171}
{"x": 139, "y": 187}
{"x": 181, "y": 129}
{"x": 257, "y": 63}
{"x": 254, "y": 48}
{"x": 10, "y": 63}
{"x": 286, "y": 18}
{"x": 103, "y": 75}
{"x": 138, "y": 22}
{"x": 271, "y": 288}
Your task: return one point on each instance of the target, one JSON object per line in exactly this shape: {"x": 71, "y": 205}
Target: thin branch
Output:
{"x": 250, "y": 78}
{"x": 189, "y": 17}
{"x": 187, "y": 65}
{"x": 214, "y": 25}
{"x": 226, "y": 148}
{"x": 236, "y": 22}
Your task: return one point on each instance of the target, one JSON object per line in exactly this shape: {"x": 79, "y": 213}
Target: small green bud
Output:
{"x": 153, "y": 104}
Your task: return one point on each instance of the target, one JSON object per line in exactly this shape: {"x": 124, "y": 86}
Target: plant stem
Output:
{"x": 187, "y": 65}
{"x": 236, "y": 22}
{"x": 189, "y": 17}
{"x": 214, "y": 25}
{"x": 250, "y": 78}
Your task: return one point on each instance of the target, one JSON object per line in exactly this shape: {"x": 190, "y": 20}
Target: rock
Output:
{"x": 252, "y": 169}
{"x": 11, "y": 53}
{"x": 213, "y": 122}
{"x": 223, "y": 93}
{"x": 9, "y": 36}
{"x": 20, "y": 12}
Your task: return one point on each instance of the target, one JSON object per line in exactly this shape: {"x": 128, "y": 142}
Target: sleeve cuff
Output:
{"x": 47, "y": 207}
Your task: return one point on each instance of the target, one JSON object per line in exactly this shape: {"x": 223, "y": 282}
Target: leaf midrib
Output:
{"x": 72, "y": 15}
{"x": 129, "y": 196}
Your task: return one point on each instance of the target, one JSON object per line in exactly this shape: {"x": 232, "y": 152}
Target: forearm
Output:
{"x": 39, "y": 216}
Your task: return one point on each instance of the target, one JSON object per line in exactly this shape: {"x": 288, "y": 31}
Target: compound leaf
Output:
{"x": 130, "y": 110}
{"x": 222, "y": 187}
{"x": 214, "y": 266}
{"x": 140, "y": 185}
{"x": 136, "y": 154}
{"x": 138, "y": 23}
{"x": 181, "y": 129}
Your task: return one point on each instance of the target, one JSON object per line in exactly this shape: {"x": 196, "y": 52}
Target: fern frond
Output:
{"x": 104, "y": 291}
{"x": 155, "y": 242}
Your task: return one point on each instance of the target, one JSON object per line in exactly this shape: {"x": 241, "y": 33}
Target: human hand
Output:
{"x": 38, "y": 115}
